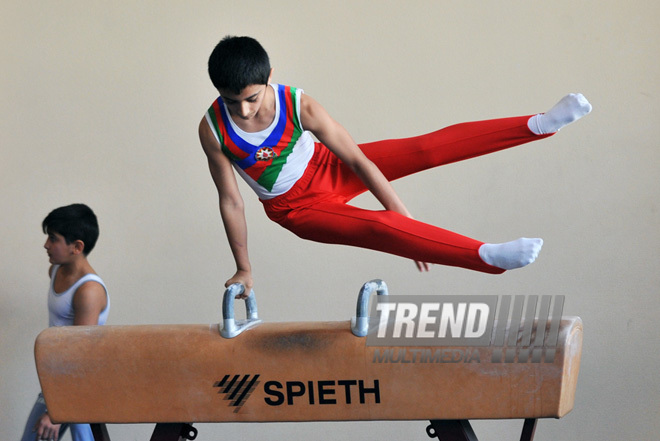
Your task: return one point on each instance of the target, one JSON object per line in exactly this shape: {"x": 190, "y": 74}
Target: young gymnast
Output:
{"x": 76, "y": 296}
{"x": 262, "y": 130}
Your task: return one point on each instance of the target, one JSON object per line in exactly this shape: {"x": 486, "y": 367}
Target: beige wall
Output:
{"x": 100, "y": 103}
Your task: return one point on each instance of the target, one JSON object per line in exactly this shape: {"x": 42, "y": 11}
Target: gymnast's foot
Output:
{"x": 569, "y": 109}
{"x": 511, "y": 255}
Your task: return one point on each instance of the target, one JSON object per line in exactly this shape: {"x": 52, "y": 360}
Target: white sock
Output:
{"x": 511, "y": 255}
{"x": 569, "y": 109}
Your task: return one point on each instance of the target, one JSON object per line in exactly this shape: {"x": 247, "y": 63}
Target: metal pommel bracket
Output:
{"x": 360, "y": 323}
{"x": 230, "y": 327}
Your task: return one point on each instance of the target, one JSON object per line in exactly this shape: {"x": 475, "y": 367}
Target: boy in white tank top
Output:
{"x": 76, "y": 296}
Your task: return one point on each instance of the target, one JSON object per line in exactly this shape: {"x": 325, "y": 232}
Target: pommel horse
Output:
{"x": 248, "y": 371}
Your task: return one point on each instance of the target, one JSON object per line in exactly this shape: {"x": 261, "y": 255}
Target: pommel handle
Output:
{"x": 360, "y": 323}
{"x": 231, "y": 327}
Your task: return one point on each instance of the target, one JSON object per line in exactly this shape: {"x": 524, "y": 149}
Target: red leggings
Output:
{"x": 316, "y": 207}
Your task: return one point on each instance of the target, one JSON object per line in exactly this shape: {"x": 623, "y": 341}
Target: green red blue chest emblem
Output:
{"x": 265, "y": 154}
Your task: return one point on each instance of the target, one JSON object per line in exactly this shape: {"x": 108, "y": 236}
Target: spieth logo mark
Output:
{"x": 237, "y": 389}
{"x": 522, "y": 327}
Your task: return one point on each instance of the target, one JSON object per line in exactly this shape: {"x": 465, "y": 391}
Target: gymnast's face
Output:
{"x": 245, "y": 105}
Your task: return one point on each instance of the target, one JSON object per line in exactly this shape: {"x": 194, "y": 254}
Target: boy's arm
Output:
{"x": 88, "y": 303}
{"x": 336, "y": 138}
{"x": 231, "y": 207}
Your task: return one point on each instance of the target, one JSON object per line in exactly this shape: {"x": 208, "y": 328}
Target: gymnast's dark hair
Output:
{"x": 73, "y": 222}
{"x": 238, "y": 62}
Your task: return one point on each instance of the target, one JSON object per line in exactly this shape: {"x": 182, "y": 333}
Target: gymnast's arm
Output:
{"x": 231, "y": 207}
{"x": 336, "y": 138}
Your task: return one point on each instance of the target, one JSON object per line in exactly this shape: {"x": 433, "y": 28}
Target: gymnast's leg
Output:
{"x": 401, "y": 157}
{"x": 386, "y": 231}
{"x": 397, "y": 158}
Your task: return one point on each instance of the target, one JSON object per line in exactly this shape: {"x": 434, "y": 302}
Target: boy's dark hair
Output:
{"x": 73, "y": 222}
{"x": 238, "y": 62}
